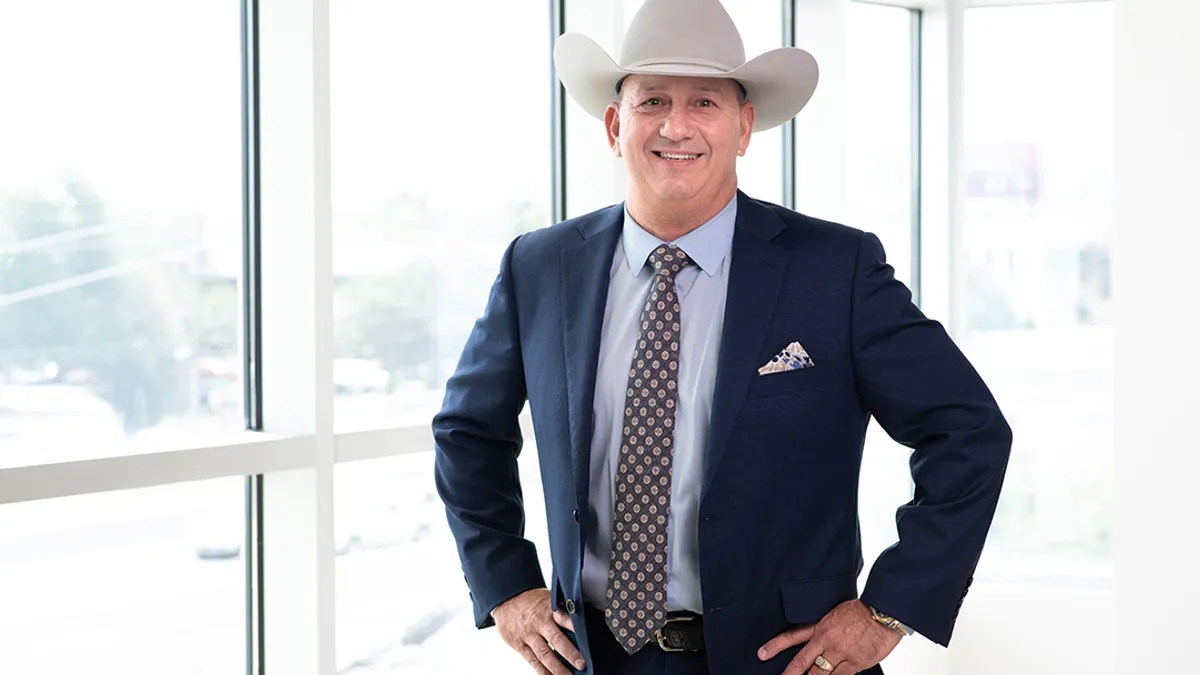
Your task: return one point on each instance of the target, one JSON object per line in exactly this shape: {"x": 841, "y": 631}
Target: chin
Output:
{"x": 676, "y": 192}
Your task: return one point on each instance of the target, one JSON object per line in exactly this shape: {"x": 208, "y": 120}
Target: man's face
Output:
{"x": 680, "y": 136}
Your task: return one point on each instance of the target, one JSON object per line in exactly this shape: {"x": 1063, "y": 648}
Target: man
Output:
{"x": 701, "y": 368}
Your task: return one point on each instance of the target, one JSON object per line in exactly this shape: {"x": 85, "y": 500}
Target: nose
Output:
{"x": 677, "y": 126}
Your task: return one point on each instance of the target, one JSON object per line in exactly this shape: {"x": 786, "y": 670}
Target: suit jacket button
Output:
{"x": 570, "y": 606}
{"x": 575, "y": 515}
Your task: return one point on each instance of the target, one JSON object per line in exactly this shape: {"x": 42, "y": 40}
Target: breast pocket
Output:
{"x": 790, "y": 381}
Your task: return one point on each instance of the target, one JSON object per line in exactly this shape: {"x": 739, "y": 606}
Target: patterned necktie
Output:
{"x": 636, "y": 603}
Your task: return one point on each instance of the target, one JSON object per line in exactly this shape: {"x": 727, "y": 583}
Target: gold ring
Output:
{"x": 823, "y": 664}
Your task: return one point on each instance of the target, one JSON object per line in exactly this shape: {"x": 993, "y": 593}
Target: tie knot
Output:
{"x": 668, "y": 260}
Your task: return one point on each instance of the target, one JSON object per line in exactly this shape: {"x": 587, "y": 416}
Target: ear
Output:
{"x": 612, "y": 124}
{"x": 747, "y": 118}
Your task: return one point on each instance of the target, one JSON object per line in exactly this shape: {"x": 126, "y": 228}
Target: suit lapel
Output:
{"x": 755, "y": 275}
{"x": 584, "y": 278}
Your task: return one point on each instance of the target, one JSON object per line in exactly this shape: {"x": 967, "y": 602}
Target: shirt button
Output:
{"x": 570, "y": 606}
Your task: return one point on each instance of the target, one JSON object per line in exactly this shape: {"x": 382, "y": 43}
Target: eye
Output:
{"x": 705, "y": 103}
{"x": 653, "y": 101}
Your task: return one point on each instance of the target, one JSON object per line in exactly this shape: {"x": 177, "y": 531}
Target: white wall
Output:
{"x": 1044, "y": 628}
{"x": 1155, "y": 290}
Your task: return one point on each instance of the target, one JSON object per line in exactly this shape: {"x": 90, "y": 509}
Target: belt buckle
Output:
{"x": 662, "y": 642}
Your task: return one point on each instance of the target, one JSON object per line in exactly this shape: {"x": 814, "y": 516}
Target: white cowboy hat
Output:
{"x": 689, "y": 38}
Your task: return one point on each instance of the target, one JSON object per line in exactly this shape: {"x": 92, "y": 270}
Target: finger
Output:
{"x": 845, "y": 668}
{"x": 559, "y": 643}
{"x": 563, "y": 620}
{"x": 804, "y": 660}
{"x": 818, "y": 670}
{"x": 546, "y": 656}
{"x": 788, "y": 638}
{"x": 532, "y": 659}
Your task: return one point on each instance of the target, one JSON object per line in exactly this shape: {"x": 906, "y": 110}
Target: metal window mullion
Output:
{"x": 255, "y": 577}
{"x": 916, "y": 43}
{"x": 251, "y": 218}
{"x": 788, "y": 21}
{"x": 252, "y": 330}
{"x": 558, "y": 119}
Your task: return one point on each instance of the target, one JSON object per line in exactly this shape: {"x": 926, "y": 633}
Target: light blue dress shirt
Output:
{"x": 701, "y": 288}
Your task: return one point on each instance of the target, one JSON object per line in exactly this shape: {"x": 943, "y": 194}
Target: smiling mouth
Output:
{"x": 677, "y": 156}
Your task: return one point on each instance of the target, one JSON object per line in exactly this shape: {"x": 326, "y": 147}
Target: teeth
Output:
{"x": 668, "y": 155}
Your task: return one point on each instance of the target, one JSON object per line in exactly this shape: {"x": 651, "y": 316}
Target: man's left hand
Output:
{"x": 848, "y": 638}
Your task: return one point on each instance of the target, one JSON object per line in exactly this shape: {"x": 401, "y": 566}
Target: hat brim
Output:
{"x": 779, "y": 83}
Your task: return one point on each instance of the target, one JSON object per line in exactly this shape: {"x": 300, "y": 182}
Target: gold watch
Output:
{"x": 888, "y": 621}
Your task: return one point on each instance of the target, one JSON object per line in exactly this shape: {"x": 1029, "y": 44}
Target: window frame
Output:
{"x": 289, "y": 450}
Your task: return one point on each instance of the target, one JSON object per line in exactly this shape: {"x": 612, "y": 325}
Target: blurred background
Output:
{"x": 137, "y": 234}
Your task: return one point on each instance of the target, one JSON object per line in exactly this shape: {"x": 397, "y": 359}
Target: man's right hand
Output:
{"x": 528, "y": 626}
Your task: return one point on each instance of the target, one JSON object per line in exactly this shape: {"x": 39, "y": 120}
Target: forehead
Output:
{"x": 666, "y": 83}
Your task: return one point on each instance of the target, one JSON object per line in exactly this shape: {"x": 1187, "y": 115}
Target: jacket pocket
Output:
{"x": 808, "y": 601}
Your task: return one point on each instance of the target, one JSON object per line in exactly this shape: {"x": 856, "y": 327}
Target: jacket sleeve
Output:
{"x": 477, "y": 439}
{"x": 925, "y": 394}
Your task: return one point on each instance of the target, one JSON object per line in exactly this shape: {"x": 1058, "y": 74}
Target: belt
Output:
{"x": 683, "y": 631}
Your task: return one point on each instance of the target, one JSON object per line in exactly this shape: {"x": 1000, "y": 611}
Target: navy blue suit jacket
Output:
{"x": 779, "y": 540}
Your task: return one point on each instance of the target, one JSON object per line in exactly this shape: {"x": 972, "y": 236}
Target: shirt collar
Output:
{"x": 707, "y": 245}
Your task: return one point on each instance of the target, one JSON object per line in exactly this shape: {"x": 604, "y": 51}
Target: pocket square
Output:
{"x": 793, "y": 357}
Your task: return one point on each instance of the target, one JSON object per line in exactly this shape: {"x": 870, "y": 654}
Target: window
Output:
{"x": 402, "y": 604}
{"x": 856, "y": 144}
{"x": 880, "y": 139}
{"x": 878, "y": 165}
{"x": 1036, "y": 300}
{"x": 594, "y": 177}
{"x": 120, "y": 227}
{"x": 138, "y": 582}
{"x": 435, "y": 172}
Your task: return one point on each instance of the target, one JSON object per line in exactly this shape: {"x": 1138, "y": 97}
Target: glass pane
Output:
{"x": 760, "y": 170}
{"x": 137, "y": 582}
{"x": 878, "y": 86}
{"x": 120, "y": 226}
{"x": 402, "y": 604}
{"x": 435, "y": 171}
{"x": 1036, "y": 242}
{"x": 595, "y": 178}
{"x": 879, "y": 150}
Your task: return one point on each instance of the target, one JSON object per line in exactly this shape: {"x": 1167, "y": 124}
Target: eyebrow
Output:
{"x": 646, "y": 90}
{"x": 654, "y": 89}
{"x": 696, "y": 89}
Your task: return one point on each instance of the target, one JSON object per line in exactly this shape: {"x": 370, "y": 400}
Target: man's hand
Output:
{"x": 848, "y": 638}
{"x": 528, "y": 626}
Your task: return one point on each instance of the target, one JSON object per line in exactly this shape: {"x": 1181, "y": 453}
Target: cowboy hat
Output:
{"x": 688, "y": 38}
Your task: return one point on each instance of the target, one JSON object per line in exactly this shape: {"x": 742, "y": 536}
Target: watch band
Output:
{"x": 888, "y": 621}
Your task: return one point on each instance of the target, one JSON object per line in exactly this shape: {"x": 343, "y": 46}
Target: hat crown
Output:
{"x": 693, "y": 32}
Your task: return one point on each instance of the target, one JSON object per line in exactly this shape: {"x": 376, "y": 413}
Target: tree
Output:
{"x": 388, "y": 319}
{"x": 413, "y": 317}
{"x": 84, "y": 291}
